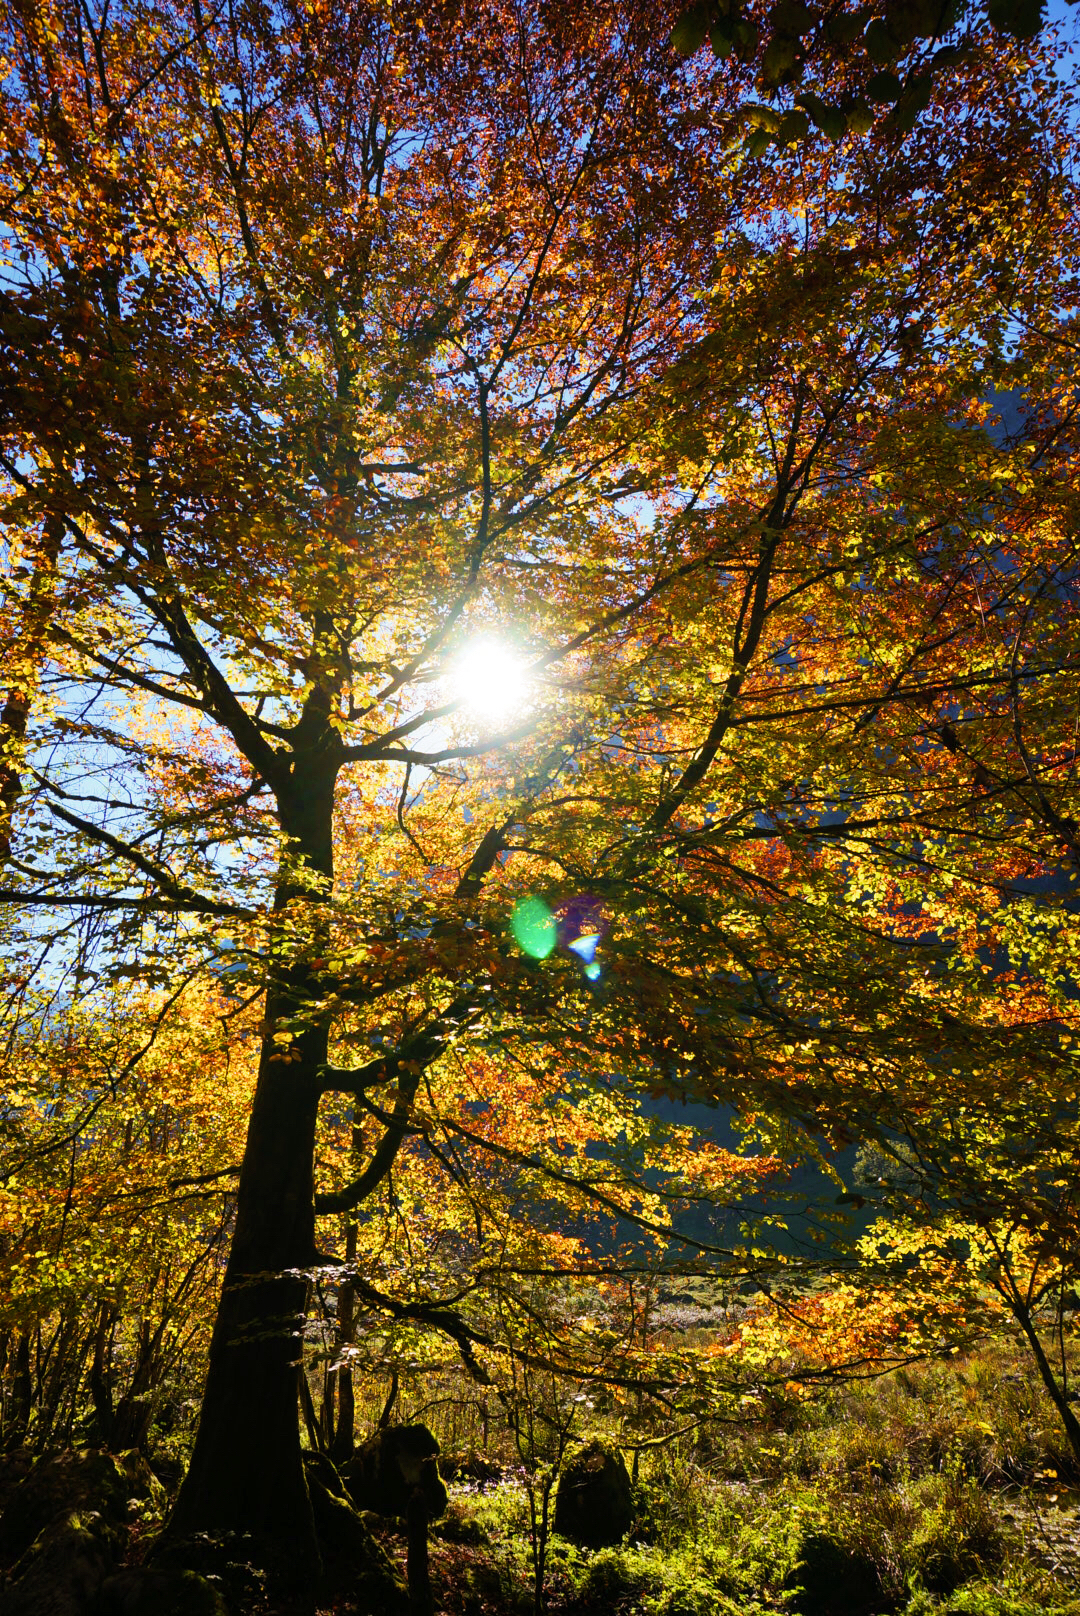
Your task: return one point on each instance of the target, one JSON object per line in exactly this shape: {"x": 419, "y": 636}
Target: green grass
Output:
{"x": 918, "y": 1494}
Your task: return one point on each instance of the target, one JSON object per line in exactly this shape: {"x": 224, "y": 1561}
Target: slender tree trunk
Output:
{"x": 51, "y": 1393}
{"x": 326, "y": 1413}
{"x": 22, "y": 1392}
{"x": 307, "y": 1409}
{"x": 246, "y": 1472}
{"x": 100, "y": 1371}
{"x": 25, "y": 654}
{"x": 344, "y": 1435}
{"x": 391, "y": 1399}
{"x": 1056, "y": 1392}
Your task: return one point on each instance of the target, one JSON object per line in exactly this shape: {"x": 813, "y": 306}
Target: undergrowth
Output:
{"x": 941, "y": 1490}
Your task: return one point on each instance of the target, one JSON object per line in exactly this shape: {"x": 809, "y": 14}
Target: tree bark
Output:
{"x": 246, "y": 1472}
{"x": 100, "y": 1376}
{"x": 344, "y": 1434}
{"x": 29, "y": 643}
{"x": 1054, "y": 1389}
{"x": 22, "y": 1392}
{"x": 419, "y": 1580}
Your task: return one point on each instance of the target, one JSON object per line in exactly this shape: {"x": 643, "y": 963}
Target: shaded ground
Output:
{"x": 944, "y": 1491}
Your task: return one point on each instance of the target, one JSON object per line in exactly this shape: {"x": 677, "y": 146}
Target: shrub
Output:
{"x": 956, "y": 1535}
{"x": 830, "y": 1578}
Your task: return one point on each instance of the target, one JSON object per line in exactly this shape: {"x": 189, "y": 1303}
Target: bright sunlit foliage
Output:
{"x": 451, "y": 822}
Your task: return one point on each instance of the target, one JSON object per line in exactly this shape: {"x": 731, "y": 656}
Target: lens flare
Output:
{"x": 533, "y": 926}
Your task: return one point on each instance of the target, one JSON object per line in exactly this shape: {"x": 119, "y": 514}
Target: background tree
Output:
{"x": 120, "y": 1135}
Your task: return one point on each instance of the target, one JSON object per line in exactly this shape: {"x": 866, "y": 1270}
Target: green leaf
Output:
{"x": 830, "y": 120}
{"x": 691, "y": 30}
{"x": 843, "y": 29}
{"x": 779, "y": 56}
{"x": 903, "y": 118}
{"x": 884, "y": 87}
{"x": 1019, "y": 18}
{"x": 792, "y": 17}
{"x": 908, "y": 20}
{"x": 746, "y": 39}
{"x": 762, "y": 117}
{"x": 919, "y": 90}
{"x": 860, "y": 118}
{"x": 722, "y": 37}
{"x": 793, "y": 126}
{"x": 880, "y": 45}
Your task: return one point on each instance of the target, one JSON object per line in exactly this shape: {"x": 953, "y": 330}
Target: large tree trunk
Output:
{"x": 246, "y": 1472}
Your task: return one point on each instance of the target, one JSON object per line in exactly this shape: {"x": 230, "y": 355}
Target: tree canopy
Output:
{"x": 447, "y": 469}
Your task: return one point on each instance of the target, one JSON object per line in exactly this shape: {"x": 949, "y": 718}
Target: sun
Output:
{"x": 490, "y": 681}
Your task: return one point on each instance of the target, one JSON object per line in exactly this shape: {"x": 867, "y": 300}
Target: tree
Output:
{"x": 978, "y": 1203}
{"x": 351, "y": 350}
{"x": 120, "y": 1135}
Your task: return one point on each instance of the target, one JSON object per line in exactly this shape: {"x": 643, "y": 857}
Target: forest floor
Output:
{"x": 945, "y": 1488}
{"x": 1026, "y": 1564}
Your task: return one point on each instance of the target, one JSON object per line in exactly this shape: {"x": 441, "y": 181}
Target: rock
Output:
{"x": 384, "y": 1472}
{"x": 830, "y": 1579}
{"x": 458, "y": 1526}
{"x": 352, "y": 1560}
{"x": 143, "y": 1484}
{"x": 60, "y": 1529}
{"x": 230, "y": 1561}
{"x": 474, "y": 1467}
{"x": 13, "y": 1467}
{"x": 61, "y": 1572}
{"x": 152, "y": 1591}
{"x": 55, "y": 1486}
{"x": 594, "y": 1501}
{"x": 76, "y": 1480}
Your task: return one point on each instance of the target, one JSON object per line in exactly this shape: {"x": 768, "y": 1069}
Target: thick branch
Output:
{"x": 382, "y": 1159}
{"x": 491, "y": 845}
{"x": 440, "y": 1318}
{"x": 346, "y": 1080}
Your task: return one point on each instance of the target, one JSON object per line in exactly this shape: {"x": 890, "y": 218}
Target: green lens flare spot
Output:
{"x": 533, "y": 926}
{"x": 592, "y": 971}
